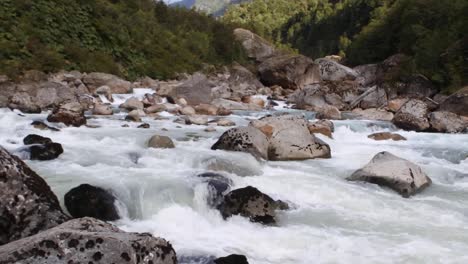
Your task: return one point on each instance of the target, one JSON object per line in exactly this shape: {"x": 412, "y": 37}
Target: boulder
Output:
{"x": 290, "y": 139}
{"x": 367, "y": 74}
{"x": 135, "y": 115}
{"x": 225, "y": 122}
{"x": 456, "y": 103}
{"x": 248, "y": 99}
{"x": 24, "y": 102}
{"x": 197, "y": 120}
{"x": 156, "y": 108}
{"x": 233, "y": 105}
{"x": 376, "y": 99}
{"x": 48, "y": 151}
{"x": 27, "y": 204}
{"x": 158, "y": 141}
{"x": 106, "y": 92}
{"x": 188, "y": 110}
{"x": 71, "y": 114}
{"x": 396, "y": 104}
{"x": 36, "y": 139}
{"x": 324, "y": 127}
{"x": 132, "y": 103}
{"x": 87, "y": 200}
{"x": 241, "y": 82}
{"x": 102, "y": 109}
{"x": 244, "y": 139}
{"x": 412, "y": 116}
{"x": 256, "y": 47}
{"x": 328, "y": 112}
{"x": 388, "y": 170}
{"x": 311, "y": 97}
{"x": 446, "y": 122}
{"x": 117, "y": 85}
{"x": 206, "y": 109}
{"x": 386, "y": 136}
{"x": 251, "y": 203}
{"x": 88, "y": 240}
{"x": 373, "y": 114}
{"x": 195, "y": 90}
{"x": 289, "y": 71}
{"x": 333, "y": 71}
{"x": 232, "y": 259}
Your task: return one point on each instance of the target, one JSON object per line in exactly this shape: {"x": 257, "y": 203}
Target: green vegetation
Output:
{"x": 431, "y": 32}
{"x": 130, "y": 38}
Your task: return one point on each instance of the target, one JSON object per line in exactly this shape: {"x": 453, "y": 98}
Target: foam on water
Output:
{"x": 332, "y": 220}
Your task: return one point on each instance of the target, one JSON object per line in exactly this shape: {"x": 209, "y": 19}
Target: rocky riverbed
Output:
{"x": 158, "y": 191}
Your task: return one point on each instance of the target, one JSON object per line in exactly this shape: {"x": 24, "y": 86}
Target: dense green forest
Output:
{"x": 431, "y": 32}
{"x": 129, "y": 38}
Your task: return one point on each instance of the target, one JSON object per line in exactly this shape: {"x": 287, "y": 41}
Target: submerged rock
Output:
{"x": 388, "y": 170}
{"x": 87, "y": 200}
{"x": 27, "y": 204}
{"x": 218, "y": 185}
{"x": 251, "y": 203}
{"x": 48, "y": 151}
{"x": 36, "y": 139}
{"x": 158, "y": 141}
{"x": 232, "y": 259}
{"x": 43, "y": 126}
{"x": 386, "y": 136}
{"x": 144, "y": 125}
{"x": 71, "y": 114}
{"x": 88, "y": 240}
{"x": 244, "y": 139}
{"x": 412, "y": 116}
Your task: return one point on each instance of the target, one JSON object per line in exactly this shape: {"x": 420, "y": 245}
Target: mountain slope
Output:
{"x": 127, "y": 38}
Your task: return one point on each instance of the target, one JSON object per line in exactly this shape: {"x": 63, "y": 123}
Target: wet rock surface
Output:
{"x": 398, "y": 174}
{"x": 88, "y": 240}
{"x": 91, "y": 201}
{"x": 71, "y": 114}
{"x": 251, "y": 203}
{"x": 27, "y": 204}
{"x": 290, "y": 139}
{"x": 244, "y": 139}
{"x": 412, "y": 116}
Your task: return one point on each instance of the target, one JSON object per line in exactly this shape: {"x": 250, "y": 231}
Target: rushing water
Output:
{"x": 332, "y": 220}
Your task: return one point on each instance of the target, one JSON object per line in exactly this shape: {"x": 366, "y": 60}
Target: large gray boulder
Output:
{"x": 290, "y": 71}
{"x": 412, "y": 116}
{"x": 311, "y": 97}
{"x": 290, "y": 139}
{"x": 117, "y": 85}
{"x": 256, "y": 47}
{"x": 244, "y": 139}
{"x": 195, "y": 90}
{"x": 27, "y": 204}
{"x": 446, "y": 122}
{"x": 88, "y": 240}
{"x": 333, "y": 71}
{"x": 71, "y": 114}
{"x": 399, "y": 174}
{"x": 456, "y": 103}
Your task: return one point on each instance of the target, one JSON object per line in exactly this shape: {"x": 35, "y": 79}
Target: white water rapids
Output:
{"x": 332, "y": 220}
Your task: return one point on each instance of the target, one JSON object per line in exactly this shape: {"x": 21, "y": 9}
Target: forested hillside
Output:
{"x": 431, "y": 32}
{"x": 129, "y": 38}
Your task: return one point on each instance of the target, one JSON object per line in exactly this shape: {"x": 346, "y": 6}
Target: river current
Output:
{"x": 331, "y": 220}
